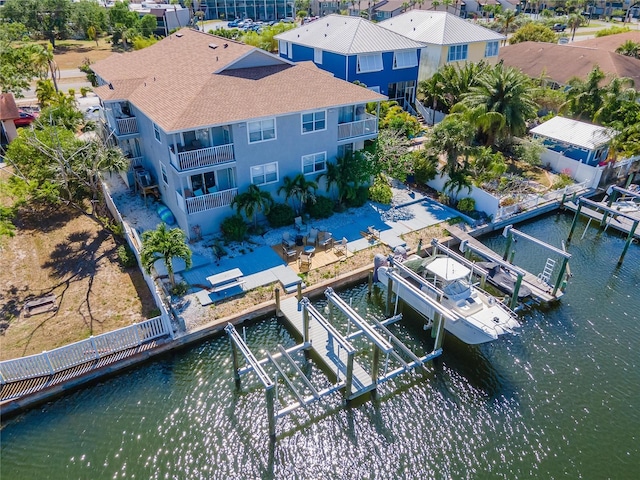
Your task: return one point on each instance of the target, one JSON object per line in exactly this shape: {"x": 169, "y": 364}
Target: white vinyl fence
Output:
{"x": 84, "y": 351}
{"x": 430, "y": 116}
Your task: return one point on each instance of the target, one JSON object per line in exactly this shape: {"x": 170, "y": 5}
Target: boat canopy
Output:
{"x": 447, "y": 269}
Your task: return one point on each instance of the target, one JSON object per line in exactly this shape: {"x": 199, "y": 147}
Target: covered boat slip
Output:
{"x": 386, "y": 357}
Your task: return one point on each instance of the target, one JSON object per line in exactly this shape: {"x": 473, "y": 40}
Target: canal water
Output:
{"x": 560, "y": 399}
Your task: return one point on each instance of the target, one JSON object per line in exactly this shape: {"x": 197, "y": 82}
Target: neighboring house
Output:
{"x": 561, "y": 63}
{"x": 255, "y": 9}
{"x": 392, "y": 8}
{"x": 207, "y": 117}
{"x": 8, "y": 113}
{"x": 169, "y": 17}
{"x": 446, "y": 38}
{"x": 355, "y": 49}
{"x": 580, "y": 141}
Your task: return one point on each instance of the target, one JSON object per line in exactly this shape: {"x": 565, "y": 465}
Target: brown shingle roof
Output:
{"x": 8, "y": 107}
{"x": 173, "y": 82}
{"x": 610, "y": 42}
{"x": 563, "y": 62}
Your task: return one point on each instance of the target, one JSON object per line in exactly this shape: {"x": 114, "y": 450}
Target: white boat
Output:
{"x": 626, "y": 205}
{"x": 472, "y": 315}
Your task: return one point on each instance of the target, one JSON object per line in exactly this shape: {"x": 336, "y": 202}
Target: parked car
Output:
{"x": 233, "y": 23}
{"x": 25, "y": 119}
{"x": 559, "y": 27}
{"x": 93, "y": 112}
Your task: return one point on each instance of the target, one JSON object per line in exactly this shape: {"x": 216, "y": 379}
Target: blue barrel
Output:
{"x": 165, "y": 215}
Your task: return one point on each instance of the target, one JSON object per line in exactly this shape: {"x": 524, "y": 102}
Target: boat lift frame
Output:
{"x": 510, "y": 233}
{"x": 607, "y": 210}
{"x": 467, "y": 248}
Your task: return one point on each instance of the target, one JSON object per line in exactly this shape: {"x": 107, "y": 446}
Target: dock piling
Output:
{"x": 278, "y": 311}
{"x": 628, "y": 242}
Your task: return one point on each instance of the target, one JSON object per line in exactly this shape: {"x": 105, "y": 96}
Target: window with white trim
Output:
{"x": 283, "y": 47}
{"x": 165, "y": 178}
{"x": 314, "y": 163}
{"x": 262, "y": 130}
{"x": 156, "y": 133}
{"x": 317, "y": 56}
{"x": 457, "y": 53}
{"x": 266, "y": 173}
{"x": 370, "y": 63}
{"x": 314, "y": 121}
{"x": 405, "y": 59}
{"x": 491, "y": 50}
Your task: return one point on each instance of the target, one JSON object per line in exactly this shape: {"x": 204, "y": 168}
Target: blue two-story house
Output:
{"x": 205, "y": 117}
{"x": 355, "y": 49}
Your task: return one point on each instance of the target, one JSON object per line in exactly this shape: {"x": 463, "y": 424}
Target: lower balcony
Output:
{"x": 209, "y": 201}
{"x": 202, "y": 157}
{"x": 359, "y": 128}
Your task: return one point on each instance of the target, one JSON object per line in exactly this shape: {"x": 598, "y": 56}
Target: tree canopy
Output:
{"x": 533, "y": 32}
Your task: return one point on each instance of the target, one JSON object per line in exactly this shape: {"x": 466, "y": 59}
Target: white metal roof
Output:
{"x": 438, "y": 28}
{"x": 574, "y": 132}
{"x": 448, "y": 269}
{"x": 347, "y": 36}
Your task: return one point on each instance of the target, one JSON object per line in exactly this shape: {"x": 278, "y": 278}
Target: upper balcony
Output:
{"x": 367, "y": 127}
{"x": 126, "y": 126}
{"x": 195, "y": 157}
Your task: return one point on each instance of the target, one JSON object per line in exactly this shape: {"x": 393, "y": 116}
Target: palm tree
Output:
{"x": 501, "y": 102}
{"x": 505, "y": 19}
{"x": 43, "y": 59}
{"x": 451, "y": 137}
{"x": 629, "y": 49}
{"x": 252, "y": 202}
{"x": 164, "y": 244}
{"x": 575, "y": 20}
{"x": 585, "y": 97}
{"x": 298, "y": 188}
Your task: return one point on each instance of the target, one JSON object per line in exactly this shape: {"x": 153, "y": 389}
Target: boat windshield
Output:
{"x": 457, "y": 290}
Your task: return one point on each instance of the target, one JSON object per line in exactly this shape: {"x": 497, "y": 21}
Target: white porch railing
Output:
{"x": 360, "y": 128}
{"x": 532, "y": 201}
{"x": 89, "y": 350}
{"x": 210, "y": 201}
{"x": 127, "y": 126}
{"x": 203, "y": 157}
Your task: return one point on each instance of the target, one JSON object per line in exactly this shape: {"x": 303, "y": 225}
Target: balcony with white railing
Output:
{"x": 202, "y": 157}
{"x": 126, "y": 126}
{"x": 134, "y": 162}
{"x": 359, "y": 128}
{"x": 210, "y": 201}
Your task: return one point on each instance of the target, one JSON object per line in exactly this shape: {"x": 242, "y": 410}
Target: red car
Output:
{"x": 25, "y": 119}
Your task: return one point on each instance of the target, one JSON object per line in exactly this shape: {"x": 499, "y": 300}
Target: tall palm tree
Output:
{"x": 164, "y": 244}
{"x": 506, "y": 19}
{"x": 574, "y": 21}
{"x": 452, "y": 137}
{"x": 585, "y": 97}
{"x": 501, "y": 102}
{"x": 252, "y": 202}
{"x": 300, "y": 189}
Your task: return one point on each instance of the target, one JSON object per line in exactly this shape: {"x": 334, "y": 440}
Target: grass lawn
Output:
{"x": 66, "y": 254}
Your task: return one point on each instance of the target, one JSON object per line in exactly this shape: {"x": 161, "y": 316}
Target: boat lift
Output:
{"x": 510, "y": 233}
{"x": 335, "y": 350}
{"x": 607, "y": 210}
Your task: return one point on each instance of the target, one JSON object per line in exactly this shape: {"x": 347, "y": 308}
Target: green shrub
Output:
{"x": 84, "y": 91}
{"x": 380, "y": 191}
{"x": 126, "y": 256}
{"x": 467, "y": 204}
{"x": 611, "y": 31}
{"x": 563, "y": 180}
{"x": 322, "y": 208}
{"x": 280, "y": 215}
{"x": 179, "y": 289}
{"x": 360, "y": 198}
{"x": 72, "y": 92}
{"x": 233, "y": 228}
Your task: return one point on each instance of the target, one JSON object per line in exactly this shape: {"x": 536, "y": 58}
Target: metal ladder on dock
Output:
{"x": 545, "y": 276}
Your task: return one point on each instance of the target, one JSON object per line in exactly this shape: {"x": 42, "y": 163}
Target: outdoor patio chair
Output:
{"x": 287, "y": 241}
{"x": 298, "y": 223}
{"x": 312, "y": 237}
{"x": 325, "y": 240}
{"x": 289, "y": 253}
{"x": 340, "y": 248}
{"x": 304, "y": 260}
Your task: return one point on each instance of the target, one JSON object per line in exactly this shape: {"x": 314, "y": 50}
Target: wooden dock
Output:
{"x": 334, "y": 360}
{"x": 619, "y": 223}
{"x": 541, "y": 291}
